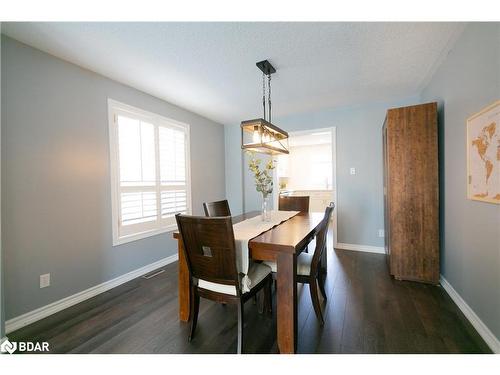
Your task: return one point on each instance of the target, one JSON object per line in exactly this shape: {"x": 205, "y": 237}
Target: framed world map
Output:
{"x": 483, "y": 155}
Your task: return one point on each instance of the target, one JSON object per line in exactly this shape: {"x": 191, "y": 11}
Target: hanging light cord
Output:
{"x": 269, "y": 94}
{"x": 264, "y": 93}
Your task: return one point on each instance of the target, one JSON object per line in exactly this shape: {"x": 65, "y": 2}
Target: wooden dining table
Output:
{"x": 281, "y": 244}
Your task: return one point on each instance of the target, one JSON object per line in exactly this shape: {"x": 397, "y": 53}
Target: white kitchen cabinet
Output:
{"x": 318, "y": 199}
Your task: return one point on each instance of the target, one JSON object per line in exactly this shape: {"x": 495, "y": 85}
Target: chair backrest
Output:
{"x": 321, "y": 238}
{"x": 219, "y": 208}
{"x": 209, "y": 248}
{"x": 293, "y": 203}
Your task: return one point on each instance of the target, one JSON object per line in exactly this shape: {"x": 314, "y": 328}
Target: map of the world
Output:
{"x": 483, "y": 148}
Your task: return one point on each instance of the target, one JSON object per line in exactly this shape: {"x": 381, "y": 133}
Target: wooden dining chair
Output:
{"x": 219, "y": 208}
{"x": 293, "y": 203}
{"x": 309, "y": 266}
{"x": 210, "y": 253}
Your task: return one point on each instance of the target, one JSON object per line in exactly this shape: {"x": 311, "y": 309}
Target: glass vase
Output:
{"x": 265, "y": 211}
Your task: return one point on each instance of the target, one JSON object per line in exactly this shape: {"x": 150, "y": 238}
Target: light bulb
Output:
{"x": 256, "y": 136}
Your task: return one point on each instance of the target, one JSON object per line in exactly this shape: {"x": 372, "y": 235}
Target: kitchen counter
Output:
{"x": 318, "y": 199}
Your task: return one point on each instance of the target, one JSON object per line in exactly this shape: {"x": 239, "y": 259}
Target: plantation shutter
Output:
{"x": 173, "y": 183}
{"x": 152, "y": 173}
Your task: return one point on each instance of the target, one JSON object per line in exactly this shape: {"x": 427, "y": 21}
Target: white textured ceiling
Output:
{"x": 209, "y": 68}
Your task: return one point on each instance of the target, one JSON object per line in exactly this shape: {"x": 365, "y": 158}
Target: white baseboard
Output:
{"x": 476, "y": 322}
{"x": 355, "y": 247}
{"x": 44, "y": 311}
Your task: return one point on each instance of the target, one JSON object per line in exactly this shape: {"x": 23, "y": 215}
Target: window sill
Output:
{"x": 142, "y": 235}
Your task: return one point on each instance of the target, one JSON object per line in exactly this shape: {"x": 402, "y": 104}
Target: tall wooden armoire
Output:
{"x": 411, "y": 192}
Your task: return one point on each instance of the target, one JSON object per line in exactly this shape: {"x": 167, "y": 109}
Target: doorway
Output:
{"x": 309, "y": 170}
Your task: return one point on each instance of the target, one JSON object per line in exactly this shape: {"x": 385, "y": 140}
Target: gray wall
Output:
{"x": 359, "y": 145}
{"x": 56, "y": 198}
{"x": 467, "y": 81}
{"x": 232, "y": 139}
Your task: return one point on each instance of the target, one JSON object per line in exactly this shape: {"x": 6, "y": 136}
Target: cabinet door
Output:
{"x": 318, "y": 201}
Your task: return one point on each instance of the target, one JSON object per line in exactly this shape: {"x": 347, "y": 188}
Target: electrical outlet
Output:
{"x": 353, "y": 170}
{"x": 381, "y": 233}
{"x": 44, "y": 280}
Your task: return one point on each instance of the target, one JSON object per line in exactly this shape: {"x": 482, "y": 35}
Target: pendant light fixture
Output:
{"x": 260, "y": 135}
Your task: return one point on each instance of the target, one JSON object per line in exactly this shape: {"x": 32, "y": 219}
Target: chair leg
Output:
{"x": 240, "y": 327}
{"x": 195, "y": 307}
{"x": 321, "y": 283}
{"x": 324, "y": 260}
{"x": 313, "y": 287}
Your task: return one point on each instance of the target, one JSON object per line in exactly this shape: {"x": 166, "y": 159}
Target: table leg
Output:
{"x": 184, "y": 294}
{"x": 287, "y": 303}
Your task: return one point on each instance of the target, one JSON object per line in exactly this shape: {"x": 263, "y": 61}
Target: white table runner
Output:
{"x": 245, "y": 230}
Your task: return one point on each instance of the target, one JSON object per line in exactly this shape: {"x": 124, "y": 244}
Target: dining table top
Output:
{"x": 288, "y": 236}
{"x": 291, "y": 235}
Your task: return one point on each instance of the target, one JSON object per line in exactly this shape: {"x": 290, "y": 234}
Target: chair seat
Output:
{"x": 304, "y": 261}
{"x": 256, "y": 273}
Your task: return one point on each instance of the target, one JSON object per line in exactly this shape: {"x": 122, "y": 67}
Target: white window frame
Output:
{"x": 114, "y": 108}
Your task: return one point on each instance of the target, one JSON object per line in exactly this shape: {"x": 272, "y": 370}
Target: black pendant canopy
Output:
{"x": 260, "y": 135}
{"x": 266, "y": 67}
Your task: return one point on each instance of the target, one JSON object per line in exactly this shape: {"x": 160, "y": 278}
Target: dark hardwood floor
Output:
{"x": 367, "y": 312}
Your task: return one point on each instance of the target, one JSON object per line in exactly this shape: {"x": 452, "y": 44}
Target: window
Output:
{"x": 149, "y": 172}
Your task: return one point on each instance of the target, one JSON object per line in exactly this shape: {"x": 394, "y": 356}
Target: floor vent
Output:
{"x": 152, "y": 274}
